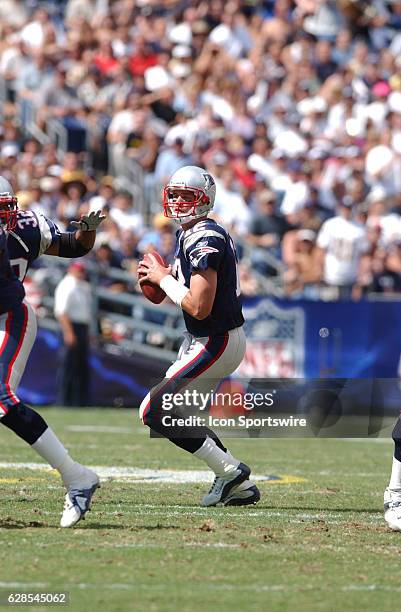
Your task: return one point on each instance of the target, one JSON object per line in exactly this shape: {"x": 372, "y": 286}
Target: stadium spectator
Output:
{"x": 122, "y": 212}
{"x": 73, "y": 309}
{"x": 303, "y": 272}
{"x": 266, "y": 229}
{"x": 342, "y": 242}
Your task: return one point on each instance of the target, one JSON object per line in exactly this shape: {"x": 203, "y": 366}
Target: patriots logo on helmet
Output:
{"x": 209, "y": 181}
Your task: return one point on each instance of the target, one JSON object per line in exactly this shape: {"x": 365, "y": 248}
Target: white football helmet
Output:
{"x": 8, "y": 205}
{"x": 189, "y": 194}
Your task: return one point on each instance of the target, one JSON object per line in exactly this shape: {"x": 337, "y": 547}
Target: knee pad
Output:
{"x": 25, "y": 422}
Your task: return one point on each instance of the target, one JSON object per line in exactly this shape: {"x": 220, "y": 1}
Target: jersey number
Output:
{"x": 26, "y": 218}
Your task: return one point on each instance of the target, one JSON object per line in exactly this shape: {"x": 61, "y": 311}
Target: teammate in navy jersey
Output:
{"x": 25, "y": 236}
{"x": 203, "y": 281}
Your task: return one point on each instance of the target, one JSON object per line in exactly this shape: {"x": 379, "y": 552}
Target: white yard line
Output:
{"x": 141, "y": 475}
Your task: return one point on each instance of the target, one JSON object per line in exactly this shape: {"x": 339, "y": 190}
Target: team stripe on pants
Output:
{"x": 207, "y": 356}
{"x": 17, "y": 334}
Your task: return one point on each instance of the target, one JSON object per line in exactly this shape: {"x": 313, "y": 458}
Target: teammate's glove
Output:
{"x": 89, "y": 223}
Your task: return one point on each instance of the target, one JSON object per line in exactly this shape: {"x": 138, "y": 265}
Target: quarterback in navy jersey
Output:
{"x": 24, "y": 236}
{"x": 203, "y": 281}
{"x": 208, "y": 245}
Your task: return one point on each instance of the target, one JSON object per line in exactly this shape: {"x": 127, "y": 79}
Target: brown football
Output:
{"x": 151, "y": 291}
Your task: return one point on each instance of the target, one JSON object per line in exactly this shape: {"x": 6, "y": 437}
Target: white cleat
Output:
{"x": 245, "y": 494}
{"x": 392, "y": 509}
{"x": 223, "y": 485}
{"x": 78, "y": 499}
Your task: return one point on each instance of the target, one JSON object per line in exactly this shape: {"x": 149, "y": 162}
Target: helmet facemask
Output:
{"x": 8, "y": 211}
{"x": 185, "y": 204}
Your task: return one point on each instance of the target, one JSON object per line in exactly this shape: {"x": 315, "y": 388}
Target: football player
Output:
{"x": 204, "y": 283}
{"x": 24, "y": 236}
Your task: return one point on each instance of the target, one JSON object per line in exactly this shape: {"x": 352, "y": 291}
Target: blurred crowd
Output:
{"x": 294, "y": 106}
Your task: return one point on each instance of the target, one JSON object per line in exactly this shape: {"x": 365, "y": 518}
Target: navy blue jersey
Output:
{"x": 208, "y": 245}
{"x": 11, "y": 289}
{"x": 31, "y": 238}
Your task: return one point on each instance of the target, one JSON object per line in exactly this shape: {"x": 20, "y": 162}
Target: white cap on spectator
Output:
{"x": 9, "y": 150}
{"x": 180, "y": 51}
{"x": 156, "y": 77}
{"x": 220, "y": 35}
{"x": 305, "y": 106}
{"x": 181, "y": 34}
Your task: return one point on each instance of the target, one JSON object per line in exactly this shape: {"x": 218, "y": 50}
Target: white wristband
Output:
{"x": 175, "y": 290}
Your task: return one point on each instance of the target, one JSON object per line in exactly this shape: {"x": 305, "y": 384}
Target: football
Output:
{"x": 151, "y": 291}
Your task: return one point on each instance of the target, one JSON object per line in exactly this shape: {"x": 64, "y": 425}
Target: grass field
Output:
{"x": 320, "y": 544}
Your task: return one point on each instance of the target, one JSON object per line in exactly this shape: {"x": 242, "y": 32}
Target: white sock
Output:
{"x": 49, "y": 447}
{"x": 395, "y": 478}
{"x": 219, "y": 461}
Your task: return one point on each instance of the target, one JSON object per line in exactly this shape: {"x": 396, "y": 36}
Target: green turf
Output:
{"x": 316, "y": 545}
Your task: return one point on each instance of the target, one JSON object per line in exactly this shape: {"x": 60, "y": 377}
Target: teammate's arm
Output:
{"x": 82, "y": 243}
{"x": 79, "y": 243}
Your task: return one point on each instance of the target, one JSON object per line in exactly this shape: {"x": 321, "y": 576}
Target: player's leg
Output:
{"x": 17, "y": 334}
{"x": 392, "y": 495}
{"x": 211, "y": 359}
{"x": 245, "y": 493}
